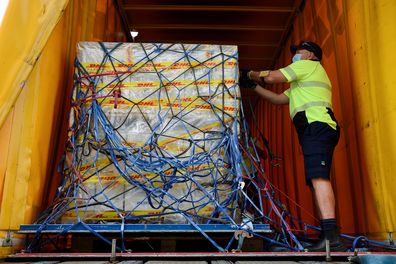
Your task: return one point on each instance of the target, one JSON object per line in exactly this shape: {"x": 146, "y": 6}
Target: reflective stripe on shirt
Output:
{"x": 290, "y": 71}
{"x": 313, "y": 84}
{"x": 308, "y": 105}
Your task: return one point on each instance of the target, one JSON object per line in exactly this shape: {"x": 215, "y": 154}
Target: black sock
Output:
{"x": 329, "y": 228}
{"x": 328, "y": 224}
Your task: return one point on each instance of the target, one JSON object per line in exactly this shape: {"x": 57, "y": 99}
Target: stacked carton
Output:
{"x": 151, "y": 124}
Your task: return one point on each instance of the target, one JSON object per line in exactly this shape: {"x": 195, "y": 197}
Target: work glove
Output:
{"x": 244, "y": 80}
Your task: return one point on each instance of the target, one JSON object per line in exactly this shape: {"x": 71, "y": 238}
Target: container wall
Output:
{"x": 357, "y": 39}
{"x": 32, "y": 125}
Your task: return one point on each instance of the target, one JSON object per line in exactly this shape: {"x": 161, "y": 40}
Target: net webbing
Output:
{"x": 157, "y": 135}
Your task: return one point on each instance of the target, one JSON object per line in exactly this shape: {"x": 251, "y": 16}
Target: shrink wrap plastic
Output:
{"x": 166, "y": 108}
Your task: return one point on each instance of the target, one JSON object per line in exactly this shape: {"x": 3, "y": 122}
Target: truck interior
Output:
{"x": 41, "y": 72}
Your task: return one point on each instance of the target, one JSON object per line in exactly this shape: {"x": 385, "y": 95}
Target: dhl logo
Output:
{"x": 174, "y": 83}
{"x": 185, "y": 99}
{"x": 93, "y": 65}
{"x": 147, "y": 84}
{"x": 201, "y": 82}
{"x": 207, "y": 107}
{"x": 119, "y": 102}
{"x": 231, "y": 81}
{"x": 124, "y": 65}
{"x": 109, "y": 178}
{"x": 179, "y": 65}
{"x": 84, "y": 168}
{"x": 173, "y": 105}
{"x": 147, "y": 103}
{"x": 199, "y": 167}
{"x": 229, "y": 109}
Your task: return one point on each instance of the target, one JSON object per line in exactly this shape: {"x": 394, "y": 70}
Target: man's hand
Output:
{"x": 244, "y": 80}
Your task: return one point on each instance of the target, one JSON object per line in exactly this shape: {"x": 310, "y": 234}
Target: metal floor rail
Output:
{"x": 137, "y": 228}
{"x": 207, "y": 257}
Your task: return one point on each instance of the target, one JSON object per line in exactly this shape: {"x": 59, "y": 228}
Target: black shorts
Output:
{"x": 318, "y": 142}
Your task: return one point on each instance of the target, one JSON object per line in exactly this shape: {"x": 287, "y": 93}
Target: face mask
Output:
{"x": 296, "y": 57}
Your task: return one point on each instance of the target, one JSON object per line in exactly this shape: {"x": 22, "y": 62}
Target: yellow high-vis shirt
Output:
{"x": 310, "y": 91}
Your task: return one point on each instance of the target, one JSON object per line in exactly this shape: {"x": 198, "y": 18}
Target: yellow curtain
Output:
{"x": 371, "y": 25}
{"x": 26, "y": 28}
{"x": 24, "y": 32}
{"x": 37, "y": 50}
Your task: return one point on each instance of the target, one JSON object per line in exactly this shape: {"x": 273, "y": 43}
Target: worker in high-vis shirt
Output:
{"x": 309, "y": 99}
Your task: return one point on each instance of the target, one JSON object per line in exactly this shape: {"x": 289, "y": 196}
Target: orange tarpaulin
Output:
{"x": 357, "y": 39}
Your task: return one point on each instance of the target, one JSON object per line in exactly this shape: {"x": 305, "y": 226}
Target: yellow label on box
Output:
{"x": 107, "y": 215}
{"x": 141, "y": 67}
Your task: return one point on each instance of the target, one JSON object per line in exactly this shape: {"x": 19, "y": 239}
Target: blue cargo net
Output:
{"x": 158, "y": 136}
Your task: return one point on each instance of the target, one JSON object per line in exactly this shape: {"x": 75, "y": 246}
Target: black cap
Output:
{"x": 307, "y": 45}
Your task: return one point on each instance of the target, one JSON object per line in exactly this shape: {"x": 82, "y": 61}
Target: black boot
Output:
{"x": 328, "y": 233}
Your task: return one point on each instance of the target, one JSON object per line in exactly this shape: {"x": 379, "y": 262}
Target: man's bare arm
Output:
{"x": 271, "y": 96}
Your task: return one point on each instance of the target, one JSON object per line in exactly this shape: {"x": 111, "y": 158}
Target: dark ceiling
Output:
{"x": 258, "y": 27}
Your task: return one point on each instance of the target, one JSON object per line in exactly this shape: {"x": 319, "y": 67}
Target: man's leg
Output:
{"x": 324, "y": 197}
{"x": 325, "y": 201}
{"x": 318, "y": 143}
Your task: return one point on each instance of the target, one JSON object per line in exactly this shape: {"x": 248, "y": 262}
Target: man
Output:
{"x": 309, "y": 99}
